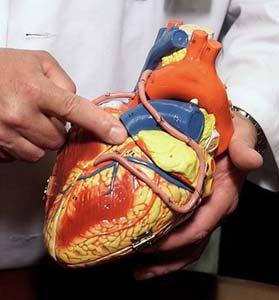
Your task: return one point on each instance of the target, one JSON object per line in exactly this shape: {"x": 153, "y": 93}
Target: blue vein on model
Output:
{"x": 138, "y": 161}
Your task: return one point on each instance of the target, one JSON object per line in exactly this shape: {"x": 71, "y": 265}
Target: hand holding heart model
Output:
{"x": 104, "y": 201}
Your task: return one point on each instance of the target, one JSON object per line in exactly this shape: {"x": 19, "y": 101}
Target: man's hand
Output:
{"x": 36, "y": 98}
{"x": 186, "y": 243}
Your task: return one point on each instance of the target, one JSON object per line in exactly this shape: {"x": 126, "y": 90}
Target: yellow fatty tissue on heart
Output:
{"x": 170, "y": 154}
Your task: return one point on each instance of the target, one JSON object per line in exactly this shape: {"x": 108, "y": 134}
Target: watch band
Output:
{"x": 261, "y": 138}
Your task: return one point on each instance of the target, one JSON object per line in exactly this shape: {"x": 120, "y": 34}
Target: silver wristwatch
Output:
{"x": 261, "y": 138}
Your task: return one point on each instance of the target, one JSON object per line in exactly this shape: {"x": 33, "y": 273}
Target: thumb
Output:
{"x": 242, "y": 146}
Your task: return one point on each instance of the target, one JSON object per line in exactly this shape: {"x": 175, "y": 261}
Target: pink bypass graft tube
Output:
{"x": 193, "y": 198}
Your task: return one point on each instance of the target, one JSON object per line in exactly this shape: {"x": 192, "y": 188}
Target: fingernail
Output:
{"x": 117, "y": 134}
{"x": 144, "y": 276}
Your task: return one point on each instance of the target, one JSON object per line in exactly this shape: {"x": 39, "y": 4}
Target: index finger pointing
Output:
{"x": 80, "y": 111}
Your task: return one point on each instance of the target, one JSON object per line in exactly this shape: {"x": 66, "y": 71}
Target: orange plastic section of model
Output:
{"x": 174, "y": 22}
{"x": 196, "y": 77}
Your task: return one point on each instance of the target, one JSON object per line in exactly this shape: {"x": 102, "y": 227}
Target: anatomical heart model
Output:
{"x": 104, "y": 201}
